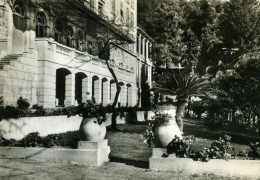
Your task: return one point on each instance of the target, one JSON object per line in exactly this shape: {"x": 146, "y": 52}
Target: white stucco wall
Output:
{"x": 18, "y": 128}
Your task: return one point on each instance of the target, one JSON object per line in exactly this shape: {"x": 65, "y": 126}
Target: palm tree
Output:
{"x": 183, "y": 85}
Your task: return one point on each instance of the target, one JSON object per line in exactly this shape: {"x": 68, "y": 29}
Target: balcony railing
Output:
{"x": 54, "y": 47}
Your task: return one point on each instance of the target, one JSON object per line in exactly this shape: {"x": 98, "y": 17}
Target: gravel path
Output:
{"x": 25, "y": 169}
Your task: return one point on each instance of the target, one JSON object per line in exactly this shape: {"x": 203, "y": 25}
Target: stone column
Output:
{"x": 106, "y": 92}
{"x": 123, "y": 95}
{"x": 140, "y": 44}
{"x": 97, "y": 90}
{"x": 130, "y": 96}
{"x": 26, "y": 41}
{"x": 143, "y": 43}
{"x": 112, "y": 91}
{"x": 147, "y": 50}
{"x": 85, "y": 90}
{"x": 69, "y": 90}
{"x": 51, "y": 24}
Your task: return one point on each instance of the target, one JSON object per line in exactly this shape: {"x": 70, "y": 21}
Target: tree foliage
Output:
{"x": 182, "y": 85}
{"x": 221, "y": 40}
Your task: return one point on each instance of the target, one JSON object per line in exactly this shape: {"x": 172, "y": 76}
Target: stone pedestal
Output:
{"x": 96, "y": 153}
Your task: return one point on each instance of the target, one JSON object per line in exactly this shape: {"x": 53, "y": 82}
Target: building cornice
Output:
{"x": 143, "y": 33}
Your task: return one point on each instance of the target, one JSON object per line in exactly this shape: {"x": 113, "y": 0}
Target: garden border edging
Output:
{"x": 94, "y": 153}
{"x": 246, "y": 168}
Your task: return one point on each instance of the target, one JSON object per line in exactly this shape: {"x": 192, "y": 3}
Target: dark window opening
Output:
{"x": 18, "y": 16}
{"x": 69, "y": 36}
{"x": 61, "y": 85}
{"x": 40, "y": 24}
{"x": 58, "y": 28}
{"x": 79, "y": 38}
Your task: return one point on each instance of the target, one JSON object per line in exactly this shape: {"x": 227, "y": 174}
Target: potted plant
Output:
{"x": 162, "y": 129}
{"x": 182, "y": 85}
{"x": 92, "y": 127}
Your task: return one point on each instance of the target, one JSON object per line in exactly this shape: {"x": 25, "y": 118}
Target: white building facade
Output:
{"x": 51, "y": 61}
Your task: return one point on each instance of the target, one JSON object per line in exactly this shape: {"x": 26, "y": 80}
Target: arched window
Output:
{"x": 79, "y": 39}
{"x": 58, "y": 28}
{"x": 18, "y": 9}
{"x": 18, "y": 16}
{"x": 70, "y": 34}
{"x": 61, "y": 89}
{"x": 40, "y": 25}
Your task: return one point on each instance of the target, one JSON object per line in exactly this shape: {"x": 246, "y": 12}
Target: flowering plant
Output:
{"x": 181, "y": 147}
{"x": 88, "y": 110}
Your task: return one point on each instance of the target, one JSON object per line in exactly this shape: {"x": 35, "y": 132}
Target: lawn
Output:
{"x": 127, "y": 144}
{"x": 129, "y": 158}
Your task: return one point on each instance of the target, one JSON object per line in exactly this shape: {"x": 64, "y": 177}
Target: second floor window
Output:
{"x": 70, "y": 34}
{"x": 79, "y": 39}
{"x": 90, "y": 47}
{"x": 18, "y": 16}
{"x": 40, "y": 25}
{"x": 58, "y": 31}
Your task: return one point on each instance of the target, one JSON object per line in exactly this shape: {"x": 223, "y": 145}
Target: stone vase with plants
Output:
{"x": 92, "y": 127}
{"x": 162, "y": 129}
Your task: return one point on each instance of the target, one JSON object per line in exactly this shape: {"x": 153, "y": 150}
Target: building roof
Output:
{"x": 141, "y": 31}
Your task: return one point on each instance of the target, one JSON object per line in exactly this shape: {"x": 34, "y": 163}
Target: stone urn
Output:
{"x": 91, "y": 130}
{"x": 165, "y": 132}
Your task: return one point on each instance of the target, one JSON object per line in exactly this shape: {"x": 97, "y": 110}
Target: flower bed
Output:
{"x": 241, "y": 168}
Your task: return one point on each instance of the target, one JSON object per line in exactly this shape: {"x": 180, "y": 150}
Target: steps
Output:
{"x": 18, "y": 77}
{"x": 8, "y": 59}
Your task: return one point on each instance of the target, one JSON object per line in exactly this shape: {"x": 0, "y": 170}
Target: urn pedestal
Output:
{"x": 95, "y": 153}
{"x": 92, "y": 140}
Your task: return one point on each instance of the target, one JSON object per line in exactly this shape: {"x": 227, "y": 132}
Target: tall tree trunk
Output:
{"x": 118, "y": 89}
{"x": 179, "y": 112}
{"x": 189, "y": 105}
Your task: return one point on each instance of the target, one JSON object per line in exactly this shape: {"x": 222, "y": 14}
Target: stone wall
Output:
{"x": 18, "y": 128}
{"x": 19, "y": 78}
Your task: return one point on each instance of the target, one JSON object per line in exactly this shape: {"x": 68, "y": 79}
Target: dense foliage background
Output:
{"x": 216, "y": 39}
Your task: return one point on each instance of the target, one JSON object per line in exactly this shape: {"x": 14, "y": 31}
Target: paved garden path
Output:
{"x": 25, "y": 169}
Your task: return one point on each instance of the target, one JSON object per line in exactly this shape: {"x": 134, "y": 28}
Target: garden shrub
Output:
{"x": 181, "y": 147}
{"x": 11, "y": 112}
{"x": 23, "y": 103}
{"x": 2, "y": 109}
{"x": 40, "y": 111}
{"x": 219, "y": 149}
{"x": 2, "y": 112}
{"x": 198, "y": 107}
{"x": 7, "y": 142}
{"x": 36, "y": 106}
{"x": 51, "y": 140}
{"x": 254, "y": 147}
{"x": 32, "y": 140}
